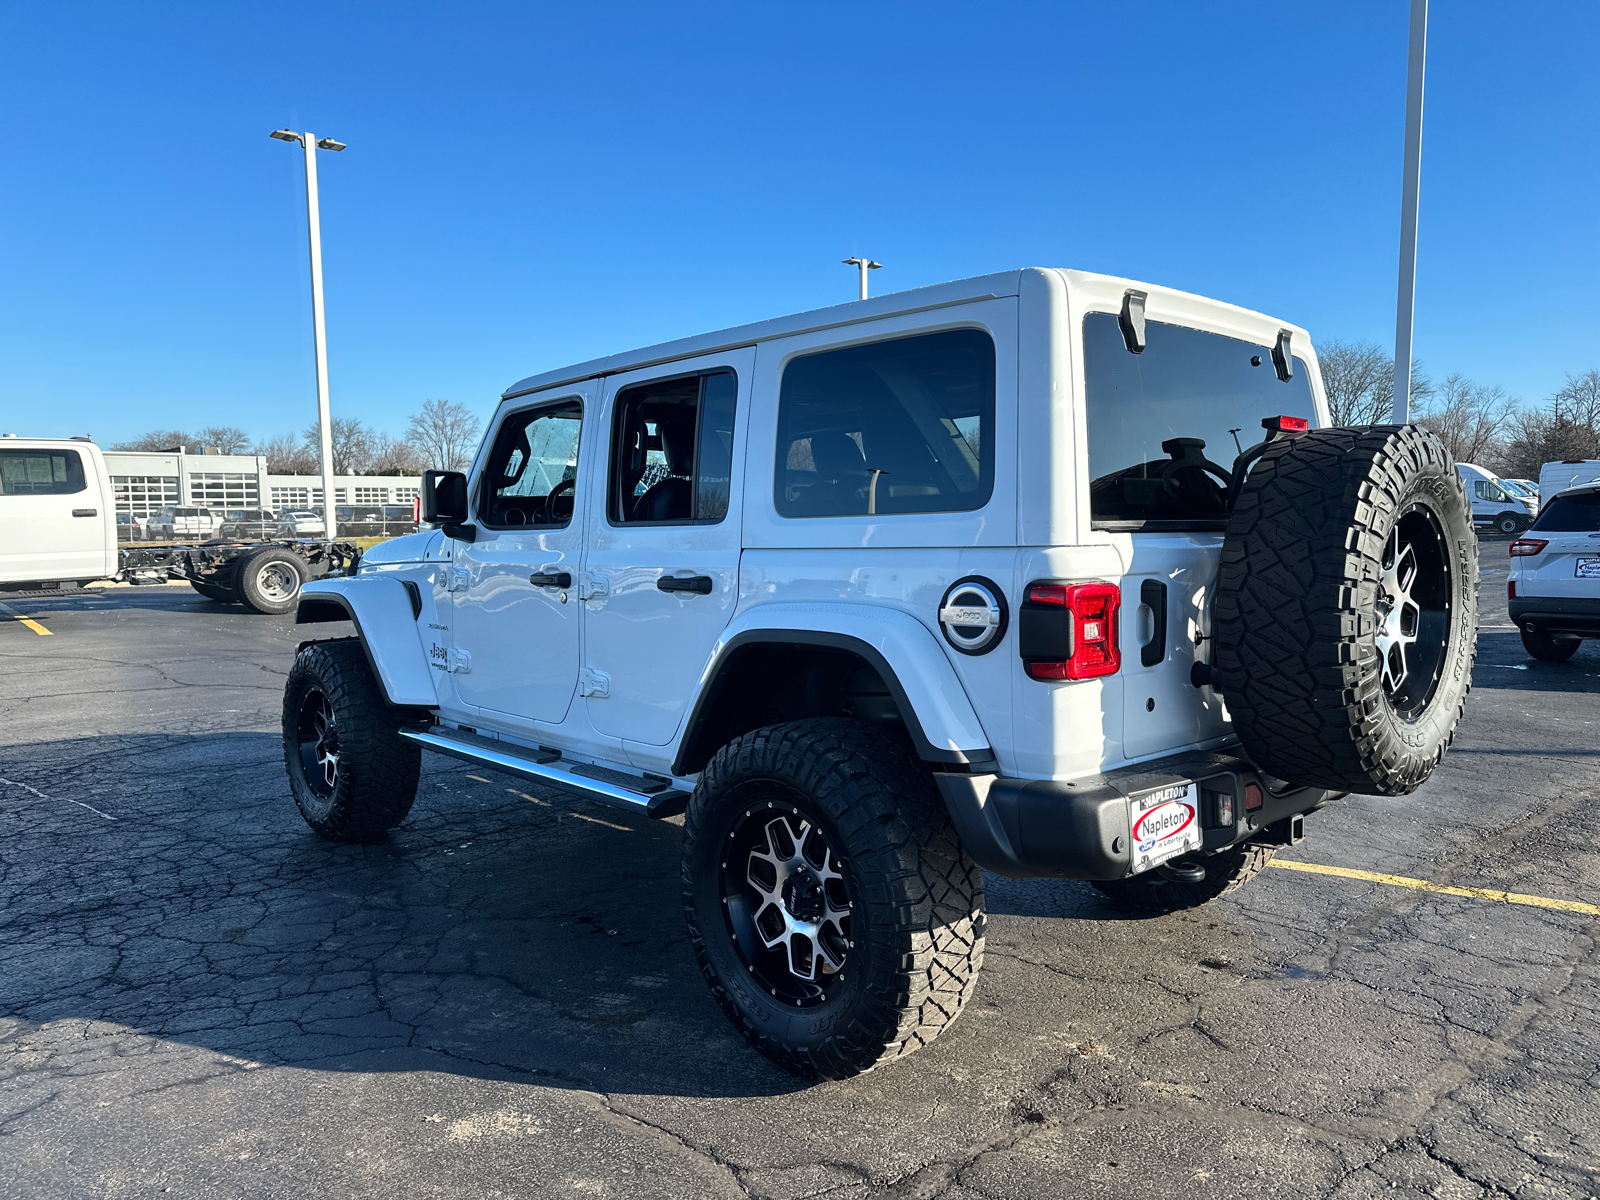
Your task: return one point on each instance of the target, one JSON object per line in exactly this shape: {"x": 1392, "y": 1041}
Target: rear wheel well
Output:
{"x": 769, "y": 683}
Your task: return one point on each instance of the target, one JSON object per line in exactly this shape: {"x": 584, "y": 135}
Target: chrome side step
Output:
{"x": 648, "y": 795}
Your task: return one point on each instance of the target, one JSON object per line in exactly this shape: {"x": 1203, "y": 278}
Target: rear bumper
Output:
{"x": 1557, "y": 614}
{"x": 1080, "y": 829}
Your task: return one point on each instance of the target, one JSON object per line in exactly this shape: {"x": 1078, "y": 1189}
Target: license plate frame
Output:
{"x": 1164, "y": 823}
{"x": 1586, "y": 568}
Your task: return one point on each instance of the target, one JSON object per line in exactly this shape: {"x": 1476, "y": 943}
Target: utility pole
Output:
{"x": 1406, "y": 304}
{"x": 865, "y": 265}
{"x": 318, "y": 330}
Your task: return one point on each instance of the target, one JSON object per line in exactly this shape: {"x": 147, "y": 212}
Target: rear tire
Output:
{"x": 1547, "y": 648}
{"x": 268, "y": 580}
{"x": 1152, "y": 892}
{"x": 353, "y": 776}
{"x": 1346, "y": 611}
{"x": 1509, "y": 523}
{"x": 832, "y": 909}
{"x": 211, "y": 591}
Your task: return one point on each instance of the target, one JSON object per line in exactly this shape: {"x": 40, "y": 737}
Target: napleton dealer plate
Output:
{"x": 1164, "y": 824}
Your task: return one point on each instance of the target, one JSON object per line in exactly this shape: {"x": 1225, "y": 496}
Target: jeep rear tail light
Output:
{"x": 1523, "y": 546}
{"x": 1069, "y": 630}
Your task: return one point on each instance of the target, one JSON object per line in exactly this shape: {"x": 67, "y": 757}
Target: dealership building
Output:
{"x": 146, "y": 483}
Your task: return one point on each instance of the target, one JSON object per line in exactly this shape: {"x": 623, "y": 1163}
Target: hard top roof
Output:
{"x": 938, "y": 295}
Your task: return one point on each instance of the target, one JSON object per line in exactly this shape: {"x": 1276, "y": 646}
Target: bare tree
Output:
{"x": 1569, "y": 428}
{"x": 287, "y": 455}
{"x": 1358, "y": 378}
{"x": 224, "y": 439}
{"x": 160, "y": 439}
{"x": 1471, "y": 418}
{"x": 392, "y": 456}
{"x": 352, "y": 445}
{"x": 1579, "y": 401}
{"x": 444, "y": 434}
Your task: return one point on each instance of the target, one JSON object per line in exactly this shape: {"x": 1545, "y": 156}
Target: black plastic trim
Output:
{"x": 969, "y": 759}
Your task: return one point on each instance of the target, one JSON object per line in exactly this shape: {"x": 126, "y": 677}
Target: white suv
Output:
{"x": 1554, "y": 589}
{"x": 980, "y": 575}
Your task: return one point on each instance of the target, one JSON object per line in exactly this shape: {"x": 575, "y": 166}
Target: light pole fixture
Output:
{"x": 865, "y": 265}
{"x": 311, "y": 145}
{"x": 1410, "y": 190}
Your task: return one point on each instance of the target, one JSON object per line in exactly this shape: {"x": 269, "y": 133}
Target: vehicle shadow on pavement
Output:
{"x": 166, "y": 884}
{"x": 1503, "y": 664}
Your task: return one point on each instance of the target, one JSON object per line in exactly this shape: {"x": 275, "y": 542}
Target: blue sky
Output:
{"x": 530, "y": 185}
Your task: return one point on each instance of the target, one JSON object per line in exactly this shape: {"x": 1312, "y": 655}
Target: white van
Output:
{"x": 1569, "y": 473}
{"x": 57, "y": 519}
{"x": 1494, "y": 504}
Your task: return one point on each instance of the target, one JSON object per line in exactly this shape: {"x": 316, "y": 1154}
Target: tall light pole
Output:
{"x": 319, "y": 333}
{"x": 1405, "y": 305}
{"x": 865, "y": 264}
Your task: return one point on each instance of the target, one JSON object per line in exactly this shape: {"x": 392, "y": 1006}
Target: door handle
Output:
{"x": 700, "y": 585}
{"x": 86, "y": 512}
{"x": 1153, "y": 594}
{"x": 555, "y": 579}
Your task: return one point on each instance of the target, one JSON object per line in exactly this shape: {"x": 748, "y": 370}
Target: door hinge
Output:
{"x": 594, "y": 585}
{"x": 460, "y": 662}
{"x": 459, "y": 578}
{"x": 594, "y": 683}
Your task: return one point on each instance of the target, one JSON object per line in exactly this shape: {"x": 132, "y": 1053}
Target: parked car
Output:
{"x": 301, "y": 523}
{"x": 129, "y": 528}
{"x": 1524, "y": 487}
{"x": 889, "y": 595}
{"x": 1493, "y": 504}
{"x": 1554, "y": 590}
{"x": 181, "y": 523}
{"x": 249, "y": 524}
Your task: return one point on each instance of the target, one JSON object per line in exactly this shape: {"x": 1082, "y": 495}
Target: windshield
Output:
{"x": 1166, "y": 425}
{"x": 1577, "y": 512}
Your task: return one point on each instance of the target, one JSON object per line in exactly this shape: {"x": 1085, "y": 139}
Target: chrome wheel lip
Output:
{"x": 795, "y": 958}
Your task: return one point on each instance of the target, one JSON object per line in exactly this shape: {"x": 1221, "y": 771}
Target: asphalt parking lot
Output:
{"x": 198, "y": 997}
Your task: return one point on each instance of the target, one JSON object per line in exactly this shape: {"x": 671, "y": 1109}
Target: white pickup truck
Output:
{"x": 58, "y": 528}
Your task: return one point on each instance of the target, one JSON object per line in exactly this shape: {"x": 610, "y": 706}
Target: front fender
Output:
{"x": 937, "y": 712}
{"x": 385, "y": 617}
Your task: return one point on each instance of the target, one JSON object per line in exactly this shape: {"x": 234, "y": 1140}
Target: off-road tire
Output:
{"x": 377, "y": 768}
{"x": 917, "y": 916}
{"x": 1546, "y": 648}
{"x": 1297, "y": 612}
{"x": 211, "y": 591}
{"x": 250, "y": 584}
{"x": 1153, "y": 892}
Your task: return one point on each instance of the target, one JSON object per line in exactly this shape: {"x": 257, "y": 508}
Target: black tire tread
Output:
{"x": 909, "y": 857}
{"x": 377, "y": 790}
{"x": 1225, "y": 873}
{"x": 1293, "y": 620}
{"x": 245, "y": 568}
{"x": 1546, "y": 648}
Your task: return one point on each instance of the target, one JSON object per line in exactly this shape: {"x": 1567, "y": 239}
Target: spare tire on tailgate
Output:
{"x": 1346, "y": 609}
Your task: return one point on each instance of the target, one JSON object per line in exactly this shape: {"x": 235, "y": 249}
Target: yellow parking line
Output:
{"x": 1422, "y": 885}
{"x": 28, "y": 621}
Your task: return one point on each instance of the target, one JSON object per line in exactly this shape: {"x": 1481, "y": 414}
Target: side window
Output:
{"x": 1487, "y": 491}
{"x": 531, "y": 475}
{"x": 41, "y": 472}
{"x": 672, "y": 450}
{"x": 902, "y": 426}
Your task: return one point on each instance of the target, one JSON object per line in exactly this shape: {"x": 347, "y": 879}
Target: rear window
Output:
{"x": 1577, "y": 513}
{"x": 40, "y": 472}
{"x": 1166, "y": 425}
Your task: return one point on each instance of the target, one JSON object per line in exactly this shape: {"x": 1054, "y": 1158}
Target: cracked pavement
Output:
{"x": 199, "y": 997}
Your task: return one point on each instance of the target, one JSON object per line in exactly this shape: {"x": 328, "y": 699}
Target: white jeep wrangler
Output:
{"x": 998, "y": 574}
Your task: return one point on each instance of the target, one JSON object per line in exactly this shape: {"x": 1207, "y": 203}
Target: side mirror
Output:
{"x": 444, "y": 497}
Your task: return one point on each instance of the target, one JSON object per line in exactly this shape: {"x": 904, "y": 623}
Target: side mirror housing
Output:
{"x": 444, "y": 497}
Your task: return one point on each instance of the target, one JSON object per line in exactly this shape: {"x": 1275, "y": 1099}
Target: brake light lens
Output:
{"x": 1090, "y": 647}
{"x": 1286, "y": 424}
{"x": 416, "y": 510}
{"x": 1511, "y": 589}
{"x": 1525, "y": 546}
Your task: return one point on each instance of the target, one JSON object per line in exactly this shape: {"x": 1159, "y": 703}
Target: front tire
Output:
{"x": 1152, "y": 892}
{"x": 353, "y": 776}
{"x": 1546, "y": 648}
{"x": 1508, "y": 523}
{"x": 831, "y": 906}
